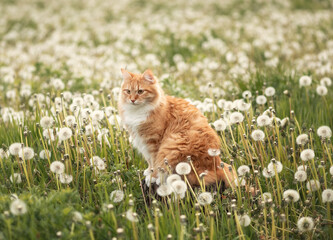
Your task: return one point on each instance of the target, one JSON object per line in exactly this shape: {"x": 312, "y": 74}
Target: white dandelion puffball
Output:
{"x": 44, "y": 154}
{"x": 326, "y": 81}
{"x": 172, "y": 178}
{"x": 313, "y": 185}
{"x": 270, "y": 91}
{"x": 48, "y": 134}
{"x": 57, "y": 167}
{"x": 3, "y": 153}
{"x": 301, "y": 176}
{"x": 26, "y": 153}
{"x": 164, "y": 190}
{"x": 18, "y": 207}
{"x": 205, "y": 198}
{"x": 132, "y": 216}
{"x": 267, "y": 173}
{"x": 70, "y": 120}
{"x": 305, "y": 224}
{"x": 65, "y": 133}
{"x": 246, "y": 94}
{"x": 327, "y": 195}
{"x": 179, "y": 187}
{"x": 258, "y": 135}
{"x": 291, "y": 195}
{"x": 261, "y": 100}
{"x": 77, "y": 216}
{"x": 236, "y": 117}
{"x": 16, "y": 178}
{"x": 321, "y": 90}
{"x": 243, "y": 106}
{"x": 65, "y": 178}
{"x": 284, "y": 122}
{"x": 331, "y": 170}
{"x": 183, "y": 168}
{"x": 213, "y": 152}
{"x": 220, "y": 125}
{"x": 302, "y": 168}
{"x": 244, "y": 220}
{"x": 302, "y": 139}
{"x": 240, "y": 182}
{"x": 275, "y": 166}
{"x": 15, "y": 149}
{"x": 264, "y": 120}
{"x": 266, "y": 196}
{"x": 117, "y": 196}
{"x": 242, "y": 170}
{"x": 324, "y": 132}
{"x": 46, "y": 122}
{"x": 98, "y": 163}
{"x": 305, "y": 81}
{"x": 307, "y": 154}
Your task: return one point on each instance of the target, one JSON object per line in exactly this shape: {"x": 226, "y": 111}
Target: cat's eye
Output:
{"x": 127, "y": 91}
{"x": 140, "y": 91}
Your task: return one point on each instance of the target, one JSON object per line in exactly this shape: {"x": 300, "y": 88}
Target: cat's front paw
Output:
{"x": 149, "y": 180}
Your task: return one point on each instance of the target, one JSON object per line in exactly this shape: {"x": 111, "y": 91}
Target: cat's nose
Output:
{"x": 133, "y": 100}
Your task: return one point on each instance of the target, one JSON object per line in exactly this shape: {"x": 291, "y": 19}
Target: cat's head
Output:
{"x": 139, "y": 89}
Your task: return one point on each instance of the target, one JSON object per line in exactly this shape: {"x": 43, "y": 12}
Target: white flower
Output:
{"x": 270, "y": 91}
{"x": 307, "y": 154}
{"x": 65, "y": 133}
{"x": 132, "y": 216}
{"x": 164, "y": 190}
{"x": 291, "y": 195}
{"x": 114, "y": 120}
{"x": 244, "y": 220}
{"x": 266, "y": 196}
{"x": 205, "y": 198}
{"x": 172, "y": 178}
{"x": 236, "y": 117}
{"x": 77, "y": 216}
{"x": 220, "y": 125}
{"x": 258, "y": 135}
{"x": 324, "y": 132}
{"x": 275, "y": 166}
{"x": 242, "y": 170}
{"x": 213, "y": 152}
{"x": 243, "y": 106}
{"x": 44, "y": 154}
{"x": 179, "y": 187}
{"x": 264, "y": 120}
{"x": 326, "y": 81}
{"x": 57, "y": 83}
{"x": 284, "y": 122}
{"x": 321, "y": 90}
{"x": 327, "y": 195}
{"x": 305, "y": 81}
{"x": 246, "y": 94}
{"x": 57, "y": 167}
{"x": 70, "y": 120}
{"x": 302, "y": 168}
{"x": 301, "y": 176}
{"x": 15, "y": 148}
{"x": 48, "y": 134}
{"x": 261, "y": 100}
{"x": 97, "y": 115}
{"x": 313, "y": 185}
{"x": 267, "y": 173}
{"x": 98, "y": 163}
{"x": 3, "y": 153}
{"x": 65, "y": 178}
{"x": 239, "y": 182}
{"x": 302, "y": 139}
{"x": 117, "y": 196}
{"x": 26, "y": 153}
{"x": 331, "y": 170}
{"x": 16, "y": 177}
{"x": 46, "y": 122}
{"x": 18, "y": 207}
{"x": 183, "y": 168}
{"x": 305, "y": 224}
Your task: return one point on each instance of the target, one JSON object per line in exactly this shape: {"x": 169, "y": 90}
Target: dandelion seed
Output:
{"x": 236, "y": 117}
{"x": 220, "y": 125}
{"x": 57, "y": 167}
{"x": 321, "y": 90}
{"x": 244, "y": 220}
{"x": 291, "y": 195}
{"x": 183, "y": 168}
{"x": 18, "y": 207}
{"x": 326, "y": 81}
{"x": 267, "y": 173}
{"x": 305, "y": 81}
{"x": 324, "y": 132}
{"x": 305, "y": 224}
{"x": 70, "y": 120}
{"x": 302, "y": 139}
{"x": 26, "y": 153}
{"x": 46, "y": 122}
{"x": 301, "y": 176}
{"x": 117, "y": 196}
{"x": 15, "y": 149}
{"x": 246, "y": 94}
{"x": 164, "y": 190}
{"x": 205, "y": 198}
{"x": 179, "y": 187}
{"x": 172, "y": 178}
{"x": 77, "y": 216}
{"x": 15, "y": 178}
{"x": 64, "y": 133}
{"x": 261, "y": 100}
{"x": 313, "y": 185}
{"x": 132, "y": 216}
{"x": 264, "y": 120}
{"x": 65, "y": 178}
{"x": 213, "y": 152}
{"x": 307, "y": 154}
{"x": 44, "y": 153}
{"x": 258, "y": 135}
{"x": 270, "y": 91}
{"x": 242, "y": 170}
{"x": 327, "y": 195}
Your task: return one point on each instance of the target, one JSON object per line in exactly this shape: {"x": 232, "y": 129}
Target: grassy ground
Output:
{"x": 63, "y": 58}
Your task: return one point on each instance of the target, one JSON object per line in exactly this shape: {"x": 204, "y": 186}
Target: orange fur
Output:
{"x": 172, "y": 129}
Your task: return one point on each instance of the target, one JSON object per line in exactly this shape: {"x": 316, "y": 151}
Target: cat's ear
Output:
{"x": 126, "y": 75}
{"x": 149, "y": 76}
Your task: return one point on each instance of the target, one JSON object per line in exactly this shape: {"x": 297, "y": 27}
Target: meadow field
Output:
{"x": 260, "y": 70}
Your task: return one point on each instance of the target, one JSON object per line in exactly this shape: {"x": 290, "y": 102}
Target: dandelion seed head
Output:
{"x": 291, "y": 195}
{"x": 258, "y": 135}
{"x": 57, "y": 167}
{"x": 179, "y": 187}
{"x": 220, "y": 125}
{"x": 44, "y": 153}
{"x": 205, "y": 198}
{"x": 16, "y": 177}
{"x": 236, "y": 117}
{"x": 18, "y": 207}
{"x": 15, "y": 149}
{"x": 164, "y": 190}
{"x": 65, "y": 178}
{"x": 327, "y": 195}
{"x": 242, "y": 170}
{"x": 264, "y": 120}
{"x": 261, "y": 100}
{"x": 267, "y": 173}
{"x": 213, "y": 152}
{"x": 183, "y": 168}
{"x": 321, "y": 90}
{"x": 331, "y": 170}
{"x": 270, "y": 91}
{"x": 77, "y": 216}
{"x": 246, "y": 94}
{"x": 243, "y": 106}
{"x": 275, "y": 166}
{"x": 302, "y": 139}
{"x": 307, "y": 154}
{"x": 244, "y": 220}
{"x": 305, "y": 224}
{"x": 132, "y": 216}
{"x": 46, "y": 122}
{"x": 301, "y": 176}
{"x": 326, "y": 81}
{"x": 26, "y": 153}
{"x": 70, "y": 120}
{"x": 324, "y": 132}
{"x": 117, "y": 196}
{"x": 171, "y": 178}
{"x": 64, "y": 133}
{"x": 305, "y": 81}
{"x": 313, "y": 185}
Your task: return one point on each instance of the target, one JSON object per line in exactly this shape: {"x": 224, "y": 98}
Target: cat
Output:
{"x": 165, "y": 128}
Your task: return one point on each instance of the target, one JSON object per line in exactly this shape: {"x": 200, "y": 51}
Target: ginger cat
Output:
{"x": 164, "y": 127}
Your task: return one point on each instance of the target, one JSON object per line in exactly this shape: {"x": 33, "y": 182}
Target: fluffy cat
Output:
{"x": 164, "y": 127}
